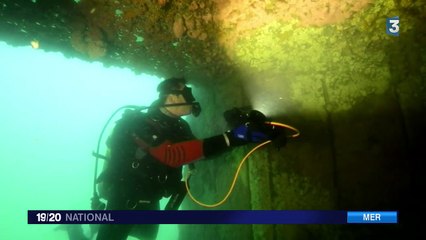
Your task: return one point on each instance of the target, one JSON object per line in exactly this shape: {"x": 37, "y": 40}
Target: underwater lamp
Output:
{"x": 237, "y": 116}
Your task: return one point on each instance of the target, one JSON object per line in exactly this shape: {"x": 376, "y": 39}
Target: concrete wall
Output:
{"x": 358, "y": 98}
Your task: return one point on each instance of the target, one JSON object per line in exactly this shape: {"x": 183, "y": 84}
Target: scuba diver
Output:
{"x": 148, "y": 150}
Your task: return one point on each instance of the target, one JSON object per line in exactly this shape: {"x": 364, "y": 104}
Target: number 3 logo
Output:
{"x": 392, "y": 26}
{"x": 395, "y": 26}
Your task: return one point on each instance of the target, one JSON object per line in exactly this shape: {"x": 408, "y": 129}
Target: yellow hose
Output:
{"x": 296, "y": 132}
{"x": 231, "y": 188}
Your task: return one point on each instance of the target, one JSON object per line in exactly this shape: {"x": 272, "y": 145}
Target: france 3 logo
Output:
{"x": 392, "y": 26}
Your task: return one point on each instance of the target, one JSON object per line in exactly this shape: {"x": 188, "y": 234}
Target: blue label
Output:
{"x": 392, "y": 26}
{"x": 373, "y": 217}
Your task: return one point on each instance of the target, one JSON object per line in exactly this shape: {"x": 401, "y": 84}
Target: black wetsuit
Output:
{"x": 135, "y": 180}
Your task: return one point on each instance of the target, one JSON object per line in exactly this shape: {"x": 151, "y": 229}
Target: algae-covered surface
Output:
{"x": 348, "y": 58}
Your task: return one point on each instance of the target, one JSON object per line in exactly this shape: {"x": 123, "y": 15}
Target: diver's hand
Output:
{"x": 252, "y": 133}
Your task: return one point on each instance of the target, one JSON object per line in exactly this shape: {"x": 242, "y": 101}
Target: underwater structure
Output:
{"x": 357, "y": 94}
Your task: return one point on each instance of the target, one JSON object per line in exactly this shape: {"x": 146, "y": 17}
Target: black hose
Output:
{"x": 97, "y": 155}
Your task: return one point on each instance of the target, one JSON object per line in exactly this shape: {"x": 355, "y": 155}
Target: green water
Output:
{"x": 53, "y": 110}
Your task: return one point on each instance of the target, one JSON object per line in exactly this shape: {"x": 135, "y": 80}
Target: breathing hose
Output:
{"x": 237, "y": 172}
{"x": 97, "y": 154}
